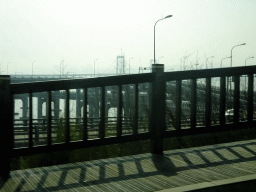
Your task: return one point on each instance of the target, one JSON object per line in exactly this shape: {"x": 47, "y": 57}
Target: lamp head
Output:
{"x": 243, "y": 43}
{"x": 168, "y": 16}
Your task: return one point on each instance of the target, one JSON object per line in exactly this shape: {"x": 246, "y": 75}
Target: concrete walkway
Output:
{"x": 229, "y": 166}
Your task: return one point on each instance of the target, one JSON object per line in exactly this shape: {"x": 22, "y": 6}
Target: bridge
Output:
{"x": 153, "y": 106}
{"x": 25, "y": 78}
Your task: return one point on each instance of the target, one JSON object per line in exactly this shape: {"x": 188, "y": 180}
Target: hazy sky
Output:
{"x": 79, "y": 31}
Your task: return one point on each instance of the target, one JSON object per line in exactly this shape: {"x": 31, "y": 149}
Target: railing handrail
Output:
{"x": 209, "y": 73}
{"x": 56, "y": 85}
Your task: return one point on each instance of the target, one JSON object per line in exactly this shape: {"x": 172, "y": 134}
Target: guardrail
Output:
{"x": 159, "y": 115}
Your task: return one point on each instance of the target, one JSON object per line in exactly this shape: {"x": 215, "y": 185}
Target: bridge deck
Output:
{"x": 145, "y": 172}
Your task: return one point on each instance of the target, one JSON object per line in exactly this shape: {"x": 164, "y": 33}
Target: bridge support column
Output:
{"x": 6, "y": 130}
{"x": 91, "y": 115}
{"x": 39, "y": 107}
{"x": 90, "y": 111}
{"x": 96, "y": 111}
{"x": 127, "y": 114}
{"x": 158, "y": 109}
{"x": 78, "y": 103}
{"x": 56, "y": 104}
{"x": 25, "y": 109}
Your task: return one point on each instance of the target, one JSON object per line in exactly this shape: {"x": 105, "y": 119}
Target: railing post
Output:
{"x": 158, "y": 109}
{"x": 250, "y": 106}
{"x": 6, "y": 120}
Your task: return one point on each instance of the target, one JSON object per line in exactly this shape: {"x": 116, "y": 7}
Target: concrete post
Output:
{"x": 158, "y": 109}
{"x": 6, "y": 120}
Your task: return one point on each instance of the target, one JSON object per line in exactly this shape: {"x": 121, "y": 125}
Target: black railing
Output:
{"x": 194, "y": 108}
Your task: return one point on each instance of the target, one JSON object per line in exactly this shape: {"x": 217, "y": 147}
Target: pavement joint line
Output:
{"x": 217, "y": 183}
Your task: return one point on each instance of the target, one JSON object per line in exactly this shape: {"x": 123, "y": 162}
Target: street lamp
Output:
{"x": 247, "y": 59}
{"x": 207, "y": 60}
{"x": 168, "y": 16}
{"x": 231, "y": 58}
{"x": 7, "y": 67}
{"x": 61, "y": 67}
{"x": 223, "y": 59}
{"x": 231, "y": 52}
{"x": 159, "y": 58}
{"x": 130, "y": 65}
{"x": 94, "y": 66}
{"x": 32, "y": 69}
{"x": 192, "y": 66}
{"x": 143, "y": 68}
{"x": 246, "y": 75}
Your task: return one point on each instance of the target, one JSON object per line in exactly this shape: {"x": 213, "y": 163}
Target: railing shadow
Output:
{"x": 103, "y": 173}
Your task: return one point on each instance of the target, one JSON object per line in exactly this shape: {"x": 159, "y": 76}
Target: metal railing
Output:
{"x": 84, "y": 84}
{"x": 162, "y": 120}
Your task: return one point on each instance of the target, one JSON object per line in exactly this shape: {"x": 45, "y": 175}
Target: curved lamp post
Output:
{"x": 246, "y": 75}
{"x": 168, "y": 16}
{"x": 231, "y": 52}
{"x": 231, "y": 58}
{"x": 207, "y": 60}
{"x": 94, "y": 66}
{"x": 33, "y": 69}
{"x": 247, "y": 59}
{"x": 223, "y": 59}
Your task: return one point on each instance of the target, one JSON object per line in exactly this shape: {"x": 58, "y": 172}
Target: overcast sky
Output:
{"x": 44, "y": 32}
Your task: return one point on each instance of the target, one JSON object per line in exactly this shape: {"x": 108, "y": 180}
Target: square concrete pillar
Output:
{"x": 6, "y": 128}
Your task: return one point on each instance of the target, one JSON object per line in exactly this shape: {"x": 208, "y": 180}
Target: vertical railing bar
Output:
{"x": 222, "y": 99}
{"x": 85, "y": 129}
{"x": 30, "y": 145}
{"x": 178, "y": 104}
{"x": 165, "y": 105}
{"x": 13, "y": 110}
{"x": 78, "y": 104}
{"x": 250, "y": 99}
{"x": 119, "y": 111}
{"x": 49, "y": 118}
{"x": 67, "y": 125}
{"x": 236, "y": 98}
{"x": 102, "y": 114}
{"x": 193, "y": 103}
{"x": 150, "y": 108}
{"x": 136, "y": 95}
{"x": 208, "y": 102}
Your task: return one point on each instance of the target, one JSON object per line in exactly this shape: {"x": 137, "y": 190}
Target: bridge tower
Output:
{"x": 120, "y": 65}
